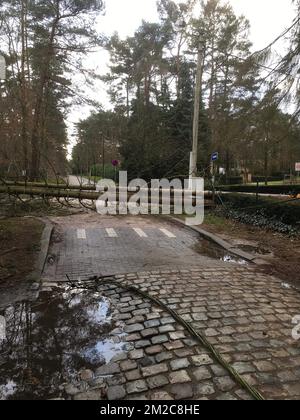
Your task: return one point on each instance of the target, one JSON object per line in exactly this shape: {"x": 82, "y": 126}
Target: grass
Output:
{"x": 272, "y": 183}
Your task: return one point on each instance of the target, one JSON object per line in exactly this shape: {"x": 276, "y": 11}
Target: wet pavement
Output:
{"x": 52, "y": 341}
{"x": 115, "y": 245}
{"x": 101, "y": 342}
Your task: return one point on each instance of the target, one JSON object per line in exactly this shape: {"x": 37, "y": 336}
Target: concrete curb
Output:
{"x": 36, "y": 275}
{"x": 223, "y": 244}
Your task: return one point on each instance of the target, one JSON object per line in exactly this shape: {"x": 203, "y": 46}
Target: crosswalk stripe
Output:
{"x": 140, "y": 232}
{"x": 81, "y": 234}
{"x": 111, "y": 233}
{"x": 167, "y": 233}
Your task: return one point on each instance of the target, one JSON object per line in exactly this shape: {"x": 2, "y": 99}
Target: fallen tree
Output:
{"x": 46, "y": 185}
{"x": 77, "y": 194}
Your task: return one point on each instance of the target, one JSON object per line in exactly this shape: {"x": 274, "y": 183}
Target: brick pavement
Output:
{"x": 246, "y": 314}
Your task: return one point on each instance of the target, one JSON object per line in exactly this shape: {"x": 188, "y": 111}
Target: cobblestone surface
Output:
{"x": 256, "y": 326}
{"x": 246, "y": 314}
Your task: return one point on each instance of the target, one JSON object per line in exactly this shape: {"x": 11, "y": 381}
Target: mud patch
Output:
{"x": 50, "y": 343}
{"x": 251, "y": 249}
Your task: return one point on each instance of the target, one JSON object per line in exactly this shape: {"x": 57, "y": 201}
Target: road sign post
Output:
{"x": 214, "y": 158}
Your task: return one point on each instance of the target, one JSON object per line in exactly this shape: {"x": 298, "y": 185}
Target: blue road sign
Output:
{"x": 215, "y": 156}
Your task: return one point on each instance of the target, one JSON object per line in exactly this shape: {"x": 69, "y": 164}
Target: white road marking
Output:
{"x": 140, "y": 232}
{"x": 81, "y": 234}
{"x": 111, "y": 233}
{"x": 167, "y": 233}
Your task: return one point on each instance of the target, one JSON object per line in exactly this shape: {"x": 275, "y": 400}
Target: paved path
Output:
{"x": 244, "y": 313}
{"x": 94, "y": 245}
{"x": 76, "y": 181}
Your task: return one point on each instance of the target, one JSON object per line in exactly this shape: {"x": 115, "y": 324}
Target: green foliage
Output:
{"x": 268, "y": 213}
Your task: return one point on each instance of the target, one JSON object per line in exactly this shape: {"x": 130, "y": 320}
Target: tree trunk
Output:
{"x": 24, "y": 86}
{"x": 38, "y": 111}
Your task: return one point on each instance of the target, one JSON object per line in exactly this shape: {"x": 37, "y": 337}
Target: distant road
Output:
{"x": 76, "y": 181}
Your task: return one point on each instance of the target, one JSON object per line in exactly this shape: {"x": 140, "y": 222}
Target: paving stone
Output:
{"x": 225, "y": 383}
{"x": 134, "y": 328}
{"x": 128, "y": 365}
{"x": 175, "y": 345}
{"x": 154, "y": 350}
{"x": 177, "y": 335}
{"x": 179, "y": 364}
{"x": 179, "y": 377}
{"x": 112, "y": 380}
{"x": 149, "y": 332}
{"x": 142, "y": 344}
{"x": 136, "y": 387}
{"x": 182, "y": 391}
{"x": 218, "y": 371}
{"x": 202, "y": 359}
{"x": 157, "y": 381}
{"x": 109, "y": 369}
{"x": 190, "y": 342}
{"x": 204, "y": 389}
{"x": 154, "y": 370}
{"x": 166, "y": 328}
{"x": 152, "y": 323}
{"x": 265, "y": 366}
{"x": 184, "y": 352}
{"x": 159, "y": 339}
{"x": 133, "y": 375}
{"x": 162, "y": 357}
{"x": 89, "y": 396}
{"x": 133, "y": 337}
{"x": 167, "y": 320}
{"x": 211, "y": 332}
{"x": 161, "y": 396}
{"x": 137, "y": 354}
{"x": 226, "y": 397}
{"x": 242, "y": 367}
{"x": 116, "y": 393}
{"x": 201, "y": 374}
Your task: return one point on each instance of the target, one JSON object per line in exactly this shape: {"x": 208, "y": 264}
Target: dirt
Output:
{"x": 19, "y": 248}
{"x": 281, "y": 251}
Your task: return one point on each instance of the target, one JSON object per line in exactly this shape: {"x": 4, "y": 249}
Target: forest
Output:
{"x": 249, "y": 99}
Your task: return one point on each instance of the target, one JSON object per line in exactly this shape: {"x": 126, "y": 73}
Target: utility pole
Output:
{"x": 103, "y": 156}
{"x": 197, "y": 103}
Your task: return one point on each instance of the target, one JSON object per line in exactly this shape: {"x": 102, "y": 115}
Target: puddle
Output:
{"x": 50, "y": 341}
{"x": 209, "y": 249}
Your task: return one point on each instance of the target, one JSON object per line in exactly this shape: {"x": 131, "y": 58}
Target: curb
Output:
{"x": 223, "y": 244}
{"x": 36, "y": 275}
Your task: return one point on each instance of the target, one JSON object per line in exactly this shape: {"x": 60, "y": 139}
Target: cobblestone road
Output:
{"x": 246, "y": 314}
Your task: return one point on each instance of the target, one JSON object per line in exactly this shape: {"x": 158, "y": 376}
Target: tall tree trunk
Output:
{"x": 24, "y": 85}
{"x": 38, "y": 110}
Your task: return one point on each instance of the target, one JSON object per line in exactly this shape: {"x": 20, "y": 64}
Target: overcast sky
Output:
{"x": 268, "y": 19}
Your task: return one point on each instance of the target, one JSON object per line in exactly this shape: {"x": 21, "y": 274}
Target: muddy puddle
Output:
{"x": 209, "y": 249}
{"x": 49, "y": 342}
